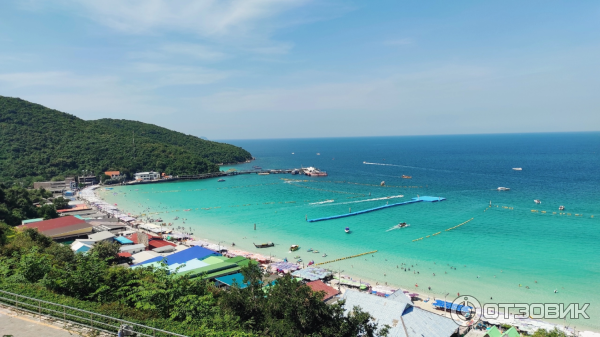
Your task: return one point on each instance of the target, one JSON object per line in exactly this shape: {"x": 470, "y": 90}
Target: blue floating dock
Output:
{"x": 412, "y": 201}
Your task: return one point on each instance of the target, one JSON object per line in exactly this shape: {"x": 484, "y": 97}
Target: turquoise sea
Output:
{"x": 503, "y": 247}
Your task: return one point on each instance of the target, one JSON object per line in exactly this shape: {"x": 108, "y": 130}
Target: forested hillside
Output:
{"x": 37, "y": 143}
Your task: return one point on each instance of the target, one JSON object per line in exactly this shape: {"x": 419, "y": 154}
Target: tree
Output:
{"x": 5, "y": 232}
{"x": 553, "y": 333}
{"x": 106, "y": 250}
{"x": 60, "y": 203}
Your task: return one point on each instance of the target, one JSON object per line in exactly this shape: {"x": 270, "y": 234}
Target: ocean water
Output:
{"x": 499, "y": 254}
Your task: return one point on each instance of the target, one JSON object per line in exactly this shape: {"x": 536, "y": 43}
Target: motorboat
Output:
{"x": 297, "y": 257}
{"x": 313, "y": 172}
{"x": 309, "y": 250}
{"x": 517, "y": 169}
{"x": 347, "y": 230}
{"x": 503, "y": 189}
{"x": 294, "y": 248}
{"x": 264, "y": 245}
{"x": 295, "y": 171}
{"x": 324, "y": 255}
{"x": 299, "y": 260}
{"x": 315, "y": 252}
{"x": 561, "y": 208}
{"x": 406, "y": 177}
{"x": 398, "y": 226}
{"x": 537, "y": 201}
{"x": 221, "y": 180}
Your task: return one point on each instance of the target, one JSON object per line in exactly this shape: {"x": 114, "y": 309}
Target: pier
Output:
{"x": 412, "y": 201}
{"x": 213, "y": 175}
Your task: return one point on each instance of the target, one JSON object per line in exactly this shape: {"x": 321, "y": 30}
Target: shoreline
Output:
{"x": 427, "y": 294}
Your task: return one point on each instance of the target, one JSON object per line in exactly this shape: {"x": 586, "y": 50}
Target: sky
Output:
{"x": 244, "y": 69}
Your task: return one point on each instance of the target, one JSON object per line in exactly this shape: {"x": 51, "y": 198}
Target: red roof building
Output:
{"x": 156, "y": 243}
{"x": 124, "y": 254}
{"x": 62, "y": 227}
{"x": 318, "y": 285}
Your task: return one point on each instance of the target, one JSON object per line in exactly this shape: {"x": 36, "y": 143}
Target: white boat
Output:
{"x": 537, "y": 201}
{"x": 517, "y": 169}
{"x": 398, "y": 226}
{"x": 503, "y": 189}
{"x": 561, "y": 208}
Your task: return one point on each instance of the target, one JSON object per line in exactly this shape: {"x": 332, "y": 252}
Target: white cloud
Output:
{"x": 196, "y": 51}
{"x": 161, "y": 75}
{"x": 219, "y": 18}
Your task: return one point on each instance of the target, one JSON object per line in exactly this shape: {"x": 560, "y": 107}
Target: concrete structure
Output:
{"x": 102, "y": 236}
{"x": 87, "y": 180}
{"x": 54, "y": 186}
{"x": 143, "y": 256}
{"x": 133, "y": 248}
{"x": 145, "y": 176}
{"x": 404, "y": 319}
{"x": 60, "y": 228}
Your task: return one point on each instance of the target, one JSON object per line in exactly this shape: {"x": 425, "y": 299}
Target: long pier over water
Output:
{"x": 412, "y": 201}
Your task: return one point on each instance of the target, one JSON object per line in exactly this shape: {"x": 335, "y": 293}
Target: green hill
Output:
{"x": 37, "y": 143}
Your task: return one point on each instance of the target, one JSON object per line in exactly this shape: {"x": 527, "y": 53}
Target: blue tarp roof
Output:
{"x": 450, "y": 306}
{"x": 184, "y": 256}
{"x": 229, "y": 280}
{"x": 123, "y": 240}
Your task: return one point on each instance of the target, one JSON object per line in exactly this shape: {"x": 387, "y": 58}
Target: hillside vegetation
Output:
{"x": 37, "y": 143}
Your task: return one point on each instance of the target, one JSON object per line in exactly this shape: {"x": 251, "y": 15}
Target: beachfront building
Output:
{"x": 102, "y": 236}
{"x": 147, "y": 176}
{"x": 404, "y": 319}
{"x": 113, "y": 174}
{"x": 318, "y": 285}
{"x": 60, "y": 228}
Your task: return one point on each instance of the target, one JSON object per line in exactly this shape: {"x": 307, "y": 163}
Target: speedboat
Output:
{"x": 561, "y": 208}
{"x": 309, "y": 250}
{"x": 517, "y": 169}
{"x": 406, "y": 177}
{"x": 537, "y": 201}
{"x": 503, "y": 189}
{"x": 324, "y": 255}
{"x": 315, "y": 251}
{"x": 398, "y": 226}
{"x": 297, "y": 257}
{"x": 221, "y": 180}
{"x": 299, "y": 260}
{"x": 347, "y": 230}
{"x": 294, "y": 248}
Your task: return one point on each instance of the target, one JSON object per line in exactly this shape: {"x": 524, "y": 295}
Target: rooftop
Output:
{"x": 318, "y": 285}
{"x": 101, "y": 236}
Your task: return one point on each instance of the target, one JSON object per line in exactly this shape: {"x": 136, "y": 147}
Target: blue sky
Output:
{"x": 284, "y": 69}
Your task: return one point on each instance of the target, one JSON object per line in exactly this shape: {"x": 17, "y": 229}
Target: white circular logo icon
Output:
{"x": 464, "y": 310}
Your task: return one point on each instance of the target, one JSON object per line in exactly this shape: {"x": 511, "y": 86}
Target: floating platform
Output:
{"x": 412, "y": 201}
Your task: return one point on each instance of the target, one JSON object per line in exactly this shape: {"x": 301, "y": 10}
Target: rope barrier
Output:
{"x": 345, "y": 258}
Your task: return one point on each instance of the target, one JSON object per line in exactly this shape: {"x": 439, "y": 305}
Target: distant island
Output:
{"x": 39, "y": 144}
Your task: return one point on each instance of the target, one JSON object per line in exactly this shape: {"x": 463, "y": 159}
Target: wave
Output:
{"x": 322, "y": 202}
{"x": 374, "y": 199}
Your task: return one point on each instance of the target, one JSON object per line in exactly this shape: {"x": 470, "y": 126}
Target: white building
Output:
{"x": 147, "y": 175}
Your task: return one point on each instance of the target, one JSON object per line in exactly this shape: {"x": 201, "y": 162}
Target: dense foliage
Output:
{"x": 32, "y": 264}
{"x": 37, "y": 143}
{"x": 17, "y": 204}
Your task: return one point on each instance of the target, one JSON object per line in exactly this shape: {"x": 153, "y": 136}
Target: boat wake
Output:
{"x": 322, "y": 202}
{"x": 374, "y": 199}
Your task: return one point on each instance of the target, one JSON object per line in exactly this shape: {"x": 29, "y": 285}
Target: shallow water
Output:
{"x": 503, "y": 247}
